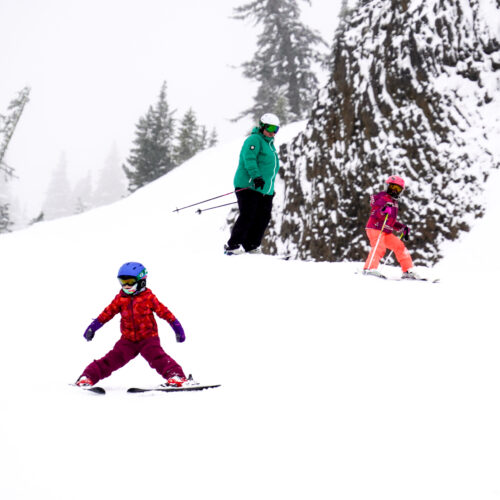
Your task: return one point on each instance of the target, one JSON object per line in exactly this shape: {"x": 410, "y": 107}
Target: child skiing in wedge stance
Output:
{"x": 380, "y": 226}
{"x": 139, "y": 330}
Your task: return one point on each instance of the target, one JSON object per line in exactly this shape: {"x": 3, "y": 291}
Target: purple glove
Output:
{"x": 180, "y": 336}
{"x": 406, "y": 232}
{"x": 91, "y": 329}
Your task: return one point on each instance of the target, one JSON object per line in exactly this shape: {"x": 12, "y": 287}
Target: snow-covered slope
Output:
{"x": 334, "y": 385}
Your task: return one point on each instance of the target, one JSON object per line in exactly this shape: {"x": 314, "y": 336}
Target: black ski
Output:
{"x": 172, "y": 389}
{"x": 93, "y": 389}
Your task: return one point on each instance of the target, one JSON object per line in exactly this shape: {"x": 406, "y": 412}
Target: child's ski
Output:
{"x": 429, "y": 280}
{"x": 384, "y": 277}
{"x": 92, "y": 388}
{"x": 172, "y": 389}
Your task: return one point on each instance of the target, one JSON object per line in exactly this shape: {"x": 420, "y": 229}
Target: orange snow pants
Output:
{"x": 391, "y": 242}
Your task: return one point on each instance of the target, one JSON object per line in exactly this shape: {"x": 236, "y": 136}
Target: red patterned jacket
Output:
{"x": 137, "y": 321}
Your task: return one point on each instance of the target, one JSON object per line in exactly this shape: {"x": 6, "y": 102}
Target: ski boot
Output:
{"x": 257, "y": 251}
{"x": 84, "y": 381}
{"x": 178, "y": 381}
{"x": 410, "y": 275}
{"x": 233, "y": 251}
{"x": 373, "y": 272}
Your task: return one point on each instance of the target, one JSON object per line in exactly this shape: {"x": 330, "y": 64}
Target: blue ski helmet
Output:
{"x": 133, "y": 270}
{"x": 136, "y": 271}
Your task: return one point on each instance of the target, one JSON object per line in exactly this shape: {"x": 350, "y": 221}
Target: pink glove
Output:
{"x": 387, "y": 209}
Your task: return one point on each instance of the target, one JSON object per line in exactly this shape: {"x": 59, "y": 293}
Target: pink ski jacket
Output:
{"x": 378, "y": 202}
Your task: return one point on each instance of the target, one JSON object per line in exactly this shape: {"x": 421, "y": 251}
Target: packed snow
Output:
{"x": 334, "y": 385}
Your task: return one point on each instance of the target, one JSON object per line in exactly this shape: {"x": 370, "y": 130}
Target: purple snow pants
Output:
{"x": 126, "y": 350}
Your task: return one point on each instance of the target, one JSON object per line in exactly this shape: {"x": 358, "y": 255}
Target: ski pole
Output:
{"x": 209, "y": 199}
{"x": 199, "y": 211}
{"x": 390, "y": 253}
{"x": 378, "y": 241}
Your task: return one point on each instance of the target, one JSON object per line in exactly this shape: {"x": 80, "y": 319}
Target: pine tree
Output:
{"x": 207, "y": 140}
{"x": 58, "y": 199}
{"x": 204, "y": 139}
{"x": 190, "y": 138}
{"x": 5, "y": 222}
{"x": 9, "y": 123}
{"x": 152, "y": 155}
{"x": 5, "y": 205}
{"x": 82, "y": 194}
{"x": 283, "y": 63}
{"x": 111, "y": 184}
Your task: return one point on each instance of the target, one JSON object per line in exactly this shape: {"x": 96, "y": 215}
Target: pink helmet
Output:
{"x": 394, "y": 179}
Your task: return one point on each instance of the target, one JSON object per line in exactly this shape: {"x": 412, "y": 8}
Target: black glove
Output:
{"x": 406, "y": 233}
{"x": 259, "y": 183}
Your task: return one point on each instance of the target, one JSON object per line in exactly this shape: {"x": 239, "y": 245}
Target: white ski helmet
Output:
{"x": 269, "y": 119}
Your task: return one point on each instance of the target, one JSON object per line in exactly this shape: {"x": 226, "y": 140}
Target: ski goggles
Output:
{"x": 127, "y": 281}
{"x": 271, "y": 128}
{"x": 396, "y": 187}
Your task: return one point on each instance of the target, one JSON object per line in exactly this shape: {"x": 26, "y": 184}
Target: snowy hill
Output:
{"x": 334, "y": 385}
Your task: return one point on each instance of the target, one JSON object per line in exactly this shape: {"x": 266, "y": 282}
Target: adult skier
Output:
{"x": 139, "y": 330}
{"x": 380, "y": 227}
{"x": 254, "y": 186}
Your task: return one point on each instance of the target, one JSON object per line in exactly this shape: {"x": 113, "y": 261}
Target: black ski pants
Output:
{"x": 255, "y": 214}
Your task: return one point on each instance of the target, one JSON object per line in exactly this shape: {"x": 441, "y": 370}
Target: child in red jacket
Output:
{"x": 380, "y": 227}
{"x": 136, "y": 304}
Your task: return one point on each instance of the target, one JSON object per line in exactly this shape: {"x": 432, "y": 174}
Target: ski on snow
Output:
{"x": 92, "y": 388}
{"x": 382, "y": 276}
{"x": 101, "y": 391}
{"x": 171, "y": 389}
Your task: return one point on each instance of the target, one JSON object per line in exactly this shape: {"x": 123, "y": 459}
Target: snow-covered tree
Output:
{"x": 213, "y": 139}
{"x": 152, "y": 154}
{"x": 8, "y": 124}
{"x": 58, "y": 199}
{"x": 5, "y": 205}
{"x": 192, "y": 138}
{"x": 111, "y": 184}
{"x": 411, "y": 88}
{"x": 18, "y": 214}
{"x": 189, "y": 138}
{"x": 283, "y": 63}
{"x": 82, "y": 194}
{"x": 5, "y": 222}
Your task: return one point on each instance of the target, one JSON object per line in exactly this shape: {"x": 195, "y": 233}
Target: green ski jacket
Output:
{"x": 258, "y": 158}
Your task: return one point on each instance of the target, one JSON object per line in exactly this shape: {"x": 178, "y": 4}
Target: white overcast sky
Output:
{"x": 95, "y": 66}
